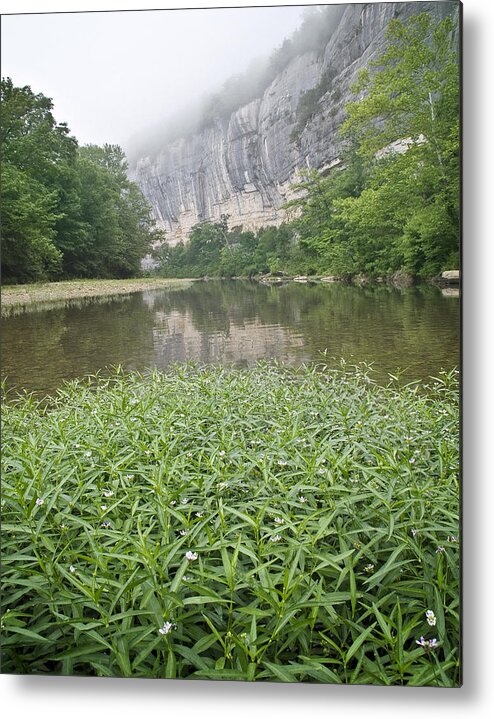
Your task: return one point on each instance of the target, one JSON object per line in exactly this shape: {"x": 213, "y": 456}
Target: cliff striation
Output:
{"x": 245, "y": 165}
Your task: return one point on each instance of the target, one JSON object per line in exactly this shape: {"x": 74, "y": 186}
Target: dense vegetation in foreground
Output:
{"x": 267, "y": 525}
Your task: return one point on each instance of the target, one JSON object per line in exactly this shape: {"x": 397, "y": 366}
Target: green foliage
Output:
{"x": 120, "y": 228}
{"x": 37, "y": 156}
{"x": 216, "y": 251}
{"x": 275, "y": 525}
{"x": 412, "y": 97}
{"x": 391, "y": 209}
{"x": 28, "y": 212}
{"x": 413, "y": 91}
{"x": 308, "y": 103}
{"x": 66, "y": 211}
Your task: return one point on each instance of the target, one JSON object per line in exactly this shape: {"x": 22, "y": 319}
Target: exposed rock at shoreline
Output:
{"x": 451, "y": 277}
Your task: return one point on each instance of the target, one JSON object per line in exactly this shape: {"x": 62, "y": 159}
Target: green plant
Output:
{"x": 263, "y": 525}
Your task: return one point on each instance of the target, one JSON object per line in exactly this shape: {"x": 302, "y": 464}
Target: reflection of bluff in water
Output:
{"x": 235, "y": 323}
{"x": 176, "y": 339}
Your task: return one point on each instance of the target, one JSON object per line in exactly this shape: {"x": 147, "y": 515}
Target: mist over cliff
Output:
{"x": 238, "y": 152}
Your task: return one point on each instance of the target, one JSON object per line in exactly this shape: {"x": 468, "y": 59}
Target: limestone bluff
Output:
{"x": 244, "y": 166}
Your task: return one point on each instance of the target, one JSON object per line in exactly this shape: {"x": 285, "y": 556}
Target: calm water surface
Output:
{"x": 239, "y": 323}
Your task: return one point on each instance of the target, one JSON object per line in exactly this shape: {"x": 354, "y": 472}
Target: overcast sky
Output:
{"x": 113, "y": 74}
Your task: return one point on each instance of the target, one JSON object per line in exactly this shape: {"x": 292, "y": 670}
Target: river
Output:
{"x": 232, "y": 322}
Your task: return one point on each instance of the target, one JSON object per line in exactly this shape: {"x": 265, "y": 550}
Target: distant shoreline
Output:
{"x": 24, "y": 295}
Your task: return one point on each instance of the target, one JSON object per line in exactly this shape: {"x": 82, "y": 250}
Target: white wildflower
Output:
{"x": 185, "y": 500}
{"x": 167, "y": 627}
{"x": 190, "y": 556}
{"x": 427, "y": 644}
{"x": 72, "y": 569}
{"x": 108, "y": 493}
{"x": 199, "y": 514}
{"x": 276, "y": 538}
{"x": 104, "y": 507}
{"x": 302, "y": 499}
{"x": 279, "y": 520}
{"x": 431, "y": 618}
{"x": 183, "y": 532}
{"x": 39, "y": 502}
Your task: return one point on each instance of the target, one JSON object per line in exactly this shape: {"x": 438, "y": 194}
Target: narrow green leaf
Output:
{"x": 358, "y": 642}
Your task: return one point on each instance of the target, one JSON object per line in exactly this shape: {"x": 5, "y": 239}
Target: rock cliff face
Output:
{"x": 244, "y": 167}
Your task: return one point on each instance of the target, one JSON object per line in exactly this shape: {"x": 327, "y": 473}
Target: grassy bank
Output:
{"x": 30, "y": 295}
{"x": 262, "y": 525}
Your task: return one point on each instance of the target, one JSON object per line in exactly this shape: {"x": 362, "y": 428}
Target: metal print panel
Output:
{"x": 230, "y": 302}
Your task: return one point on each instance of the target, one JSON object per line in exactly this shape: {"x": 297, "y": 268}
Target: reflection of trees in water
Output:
{"x": 393, "y": 328}
{"x": 116, "y": 333}
{"x": 414, "y": 327}
{"x": 43, "y": 348}
{"x": 59, "y": 304}
{"x": 235, "y": 322}
{"x": 31, "y": 343}
{"x": 212, "y": 305}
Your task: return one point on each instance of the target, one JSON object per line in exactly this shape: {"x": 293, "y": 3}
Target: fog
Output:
{"x": 114, "y": 77}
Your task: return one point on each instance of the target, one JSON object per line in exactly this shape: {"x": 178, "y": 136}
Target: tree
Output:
{"x": 119, "y": 230}
{"x": 66, "y": 211}
{"x": 412, "y": 100}
{"x": 314, "y": 212}
{"x": 28, "y": 212}
{"x": 94, "y": 257}
{"x": 394, "y": 201}
{"x": 32, "y": 140}
{"x": 38, "y": 159}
